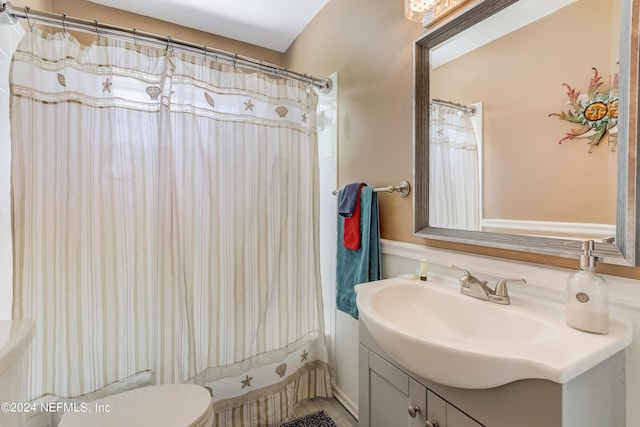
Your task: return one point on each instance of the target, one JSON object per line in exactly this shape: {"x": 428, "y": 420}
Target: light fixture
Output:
{"x": 427, "y": 12}
{"x": 415, "y": 9}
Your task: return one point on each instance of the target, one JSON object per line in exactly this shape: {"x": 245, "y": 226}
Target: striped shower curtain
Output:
{"x": 165, "y": 226}
{"x": 454, "y": 179}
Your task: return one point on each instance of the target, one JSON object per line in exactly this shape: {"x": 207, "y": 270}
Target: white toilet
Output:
{"x": 168, "y": 405}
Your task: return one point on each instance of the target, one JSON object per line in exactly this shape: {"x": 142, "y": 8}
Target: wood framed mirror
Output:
{"x": 619, "y": 32}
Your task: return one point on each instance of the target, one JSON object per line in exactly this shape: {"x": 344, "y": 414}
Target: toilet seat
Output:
{"x": 167, "y": 405}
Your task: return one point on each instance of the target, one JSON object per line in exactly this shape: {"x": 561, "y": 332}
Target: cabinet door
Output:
{"x": 417, "y": 404}
{"x": 385, "y": 402}
{"x": 446, "y": 415}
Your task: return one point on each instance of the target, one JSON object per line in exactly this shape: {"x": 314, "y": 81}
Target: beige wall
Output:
{"x": 370, "y": 44}
{"x": 519, "y": 80}
{"x": 92, "y": 11}
{"x": 43, "y": 5}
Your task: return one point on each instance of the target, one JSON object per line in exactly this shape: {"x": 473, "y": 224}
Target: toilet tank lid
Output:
{"x": 166, "y": 405}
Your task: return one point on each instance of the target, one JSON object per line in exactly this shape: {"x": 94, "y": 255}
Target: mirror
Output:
{"x": 525, "y": 191}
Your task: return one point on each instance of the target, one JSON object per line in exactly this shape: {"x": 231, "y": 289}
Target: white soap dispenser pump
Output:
{"x": 588, "y": 295}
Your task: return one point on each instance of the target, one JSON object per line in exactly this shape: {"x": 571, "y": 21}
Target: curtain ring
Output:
{"x": 169, "y": 44}
{"x": 135, "y": 38}
{"x": 95, "y": 21}
{"x": 205, "y": 53}
{"x": 26, "y": 13}
{"x": 306, "y": 82}
{"x": 235, "y": 59}
{"x": 64, "y": 23}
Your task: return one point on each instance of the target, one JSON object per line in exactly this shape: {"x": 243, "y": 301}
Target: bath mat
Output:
{"x": 317, "y": 419}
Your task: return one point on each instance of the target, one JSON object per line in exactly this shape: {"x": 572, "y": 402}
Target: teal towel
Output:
{"x": 362, "y": 265}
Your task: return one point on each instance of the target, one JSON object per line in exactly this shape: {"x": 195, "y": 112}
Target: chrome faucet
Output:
{"x": 474, "y": 287}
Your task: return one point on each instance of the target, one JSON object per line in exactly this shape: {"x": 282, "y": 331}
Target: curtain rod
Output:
{"x": 465, "y": 108}
{"x": 72, "y": 23}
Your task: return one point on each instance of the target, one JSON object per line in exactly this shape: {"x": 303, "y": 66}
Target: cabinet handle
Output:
{"x": 432, "y": 423}
{"x": 413, "y": 411}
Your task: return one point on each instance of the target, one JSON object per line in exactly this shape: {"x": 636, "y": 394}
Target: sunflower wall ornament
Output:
{"x": 596, "y": 112}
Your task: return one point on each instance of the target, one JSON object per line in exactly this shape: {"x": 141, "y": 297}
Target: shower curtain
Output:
{"x": 454, "y": 182}
{"x": 165, "y": 226}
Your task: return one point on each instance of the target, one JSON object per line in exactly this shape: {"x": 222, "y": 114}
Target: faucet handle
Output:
{"x": 501, "y": 287}
{"x": 466, "y": 278}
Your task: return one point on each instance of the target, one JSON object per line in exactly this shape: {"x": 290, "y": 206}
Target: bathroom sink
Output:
{"x": 432, "y": 330}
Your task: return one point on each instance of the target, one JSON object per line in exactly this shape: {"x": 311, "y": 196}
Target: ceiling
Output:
{"x": 272, "y": 24}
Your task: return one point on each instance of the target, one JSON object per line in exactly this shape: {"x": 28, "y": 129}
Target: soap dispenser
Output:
{"x": 588, "y": 295}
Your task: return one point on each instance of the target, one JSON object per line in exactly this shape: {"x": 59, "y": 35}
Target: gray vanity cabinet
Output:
{"x": 391, "y": 397}
{"x": 396, "y": 400}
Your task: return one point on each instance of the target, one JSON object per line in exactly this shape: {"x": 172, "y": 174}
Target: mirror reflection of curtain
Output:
{"x": 165, "y": 214}
{"x": 454, "y": 183}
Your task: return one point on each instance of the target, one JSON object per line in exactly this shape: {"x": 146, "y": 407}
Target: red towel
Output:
{"x": 351, "y": 235}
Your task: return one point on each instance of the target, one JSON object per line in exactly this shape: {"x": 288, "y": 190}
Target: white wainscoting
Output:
{"x": 550, "y": 228}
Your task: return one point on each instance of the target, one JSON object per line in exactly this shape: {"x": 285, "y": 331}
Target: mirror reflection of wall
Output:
{"x": 518, "y": 78}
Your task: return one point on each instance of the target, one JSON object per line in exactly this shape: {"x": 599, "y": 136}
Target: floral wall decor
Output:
{"x": 596, "y": 112}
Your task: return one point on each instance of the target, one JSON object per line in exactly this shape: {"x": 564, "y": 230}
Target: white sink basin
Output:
{"x": 434, "y": 331}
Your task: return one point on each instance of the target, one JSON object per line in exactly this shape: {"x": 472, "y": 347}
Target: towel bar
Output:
{"x": 403, "y": 188}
